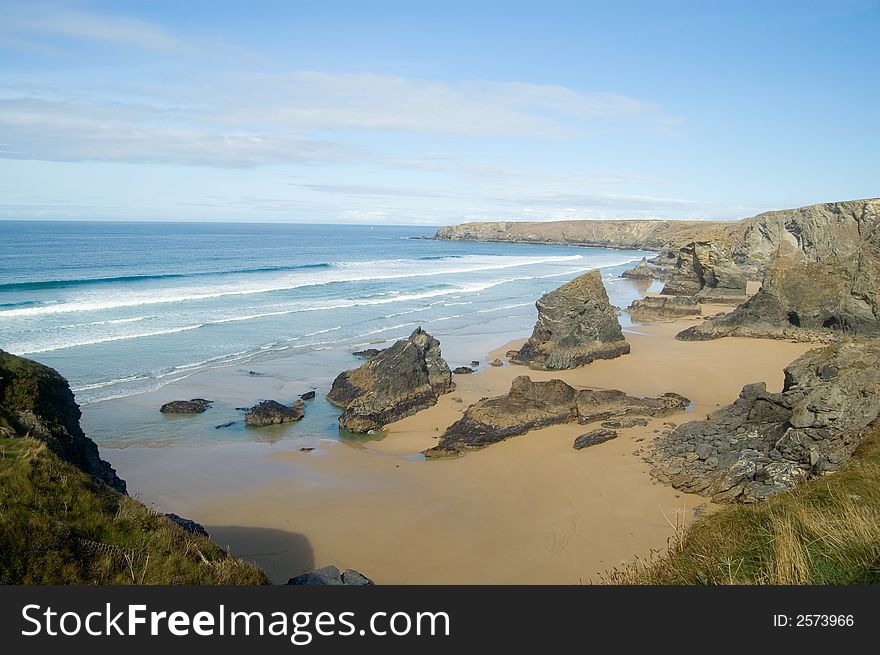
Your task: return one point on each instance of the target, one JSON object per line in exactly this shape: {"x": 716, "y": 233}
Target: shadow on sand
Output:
{"x": 280, "y": 554}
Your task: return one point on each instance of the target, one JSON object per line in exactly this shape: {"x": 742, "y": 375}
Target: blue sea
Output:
{"x": 126, "y": 309}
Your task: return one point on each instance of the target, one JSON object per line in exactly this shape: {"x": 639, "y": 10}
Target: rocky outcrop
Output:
{"x": 594, "y": 438}
{"x": 640, "y": 271}
{"x": 766, "y": 442}
{"x": 330, "y": 575}
{"x": 664, "y": 307}
{"x": 188, "y": 525}
{"x": 706, "y": 269}
{"x": 630, "y": 234}
{"x": 36, "y": 400}
{"x": 397, "y": 382}
{"x": 807, "y": 301}
{"x": 463, "y": 370}
{"x": 366, "y": 353}
{"x": 576, "y": 325}
{"x": 308, "y": 395}
{"x": 194, "y": 406}
{"x": 271, "y": 412}
{"x": 531, "y": 405}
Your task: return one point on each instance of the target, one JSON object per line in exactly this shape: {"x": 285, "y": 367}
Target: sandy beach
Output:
{"x": 527, "y": 510}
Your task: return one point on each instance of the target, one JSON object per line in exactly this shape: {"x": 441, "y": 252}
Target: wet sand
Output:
{"x": 527, "y": 510}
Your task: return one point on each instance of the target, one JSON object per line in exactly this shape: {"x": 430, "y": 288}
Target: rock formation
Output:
{"x": 765, "y": 442}
{"x": 704, "y": 269}
{"x": 397, "y": 382}
{"x": 576, "y": 325}
{"x": 463, "y": 370}
{"x": 531, "y": 405}
{"x": 594, "y": 438}
{"x": 194, "y": 406}
{"x": 36, "y": 400}
{"x": 807, "y": 301}
{"x": 330, "y": 575}
{"x": 640, "y": 271}
{"x": 271, "y": 412}
{"x": 664, "y": 307}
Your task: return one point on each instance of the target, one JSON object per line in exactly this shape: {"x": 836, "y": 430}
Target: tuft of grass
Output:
{"x": 825, "y": 532}
{"x": 58, "y": 526}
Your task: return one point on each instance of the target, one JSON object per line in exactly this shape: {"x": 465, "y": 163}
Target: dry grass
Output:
{"x": 825, "y": 532}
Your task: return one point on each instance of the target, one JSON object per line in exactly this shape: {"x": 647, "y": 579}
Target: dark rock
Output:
{"x": 765, "y": 442}
{"x": 531, "y": 405}
{"x": 641, "y": 271}
{"x": 330, "y": 575}
{"x": 306, "y": 449}
{"x": 253, "y": 373}
{"x": 463, "y": 370}
{"x": 224, "y": 425}
{"x": 399, "y": 381}
{"x": 475, "y": 363}
{"x": 665, "y": 307}
{"x": 576, "y": 325}
{"x": 194, "y": 406}
{"x": 626, "y": 422}
{"x": 308, "y": 395}
{"x": 36, "y": 400}
{"x": 270, "y": 412}
{"x": 594, "y": 437}
{"x": 188, "y": 525}
{"x": 496, "y": 362}
{"x": 366, "y": 353}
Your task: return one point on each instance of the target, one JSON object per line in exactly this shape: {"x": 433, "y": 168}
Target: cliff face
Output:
{"x": 650, "y": 235}
{"x": 36, "y": 400}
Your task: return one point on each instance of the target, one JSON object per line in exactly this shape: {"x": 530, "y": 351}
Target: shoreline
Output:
{"x": 527, "y": 510}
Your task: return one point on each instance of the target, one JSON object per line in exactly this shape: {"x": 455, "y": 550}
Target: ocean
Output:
{"x": 128, "y": 309}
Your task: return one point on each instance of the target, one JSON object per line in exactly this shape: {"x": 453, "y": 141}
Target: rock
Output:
{"x": 188, "y": 525}
{"x": 194, "y": 406}
{"x": 308, "y": 395}
{"x": 640, "y": 271}
{"x": 306, "y": 449}
{"x": 475, "y": 363}
{"x": 665, "y": 307}
{"x": 366, "y": 353}
{"x": 594, "y": 437}
{"x": 576, "y": 325}
{"x": 399, "y": 381}
{"x": 626, "y": 422}
{"x": 530, "y": 405}
{"x": 765, "y": 442}
{"x": 706, "y": 267}
{"x": 253, "y": 373}
{"x": 36, "y": 399}
{"x": 463, "y": 370}
{"x": 224, "y": 425}
{"x": 496, "y": 362}
{"x": 270, "y": 412}
{"x": 330, "y": 575}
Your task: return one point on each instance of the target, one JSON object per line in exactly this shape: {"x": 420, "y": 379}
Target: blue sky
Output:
{"x": 434, "y": 113}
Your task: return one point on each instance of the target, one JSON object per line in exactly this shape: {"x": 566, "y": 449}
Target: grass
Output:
{"x": 57, "y": 526}
{"x": 825, "y": 532}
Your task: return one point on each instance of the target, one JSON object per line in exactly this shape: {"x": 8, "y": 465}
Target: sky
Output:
{"x": 435, "y": 113}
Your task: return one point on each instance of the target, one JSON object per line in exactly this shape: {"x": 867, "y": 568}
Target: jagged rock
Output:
{"x": 463, "y": 370}
{"x": 640, "y": 271}
{"x": 594, "y": 437}
{"x": 194, "y": 406}
{"x": 188, "y": 525}
{"x": 399, "y": 381}
{"x": 366, "y": 353}
{"x": 627, "y": 422}
{"x": 308, "y": 395}
{"x": 576, "y": 325}
{"x": 271, "y": 412}
{"x": 665, "y": 307}
{"x": 37, "y": 400}
{"x": 330, "y": 575}
{"x": 807, "y": 301}
{"x": 706, "y": 268}
{"x": 530, "y": 405}
{"x": 475, "y": 363}
{"x": 765, "y": 442}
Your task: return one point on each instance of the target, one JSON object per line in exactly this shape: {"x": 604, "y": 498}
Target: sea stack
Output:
{"x": 640, "y": 271}
{"x": 396, "y": 382}
{"x": 576, "y": 325}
